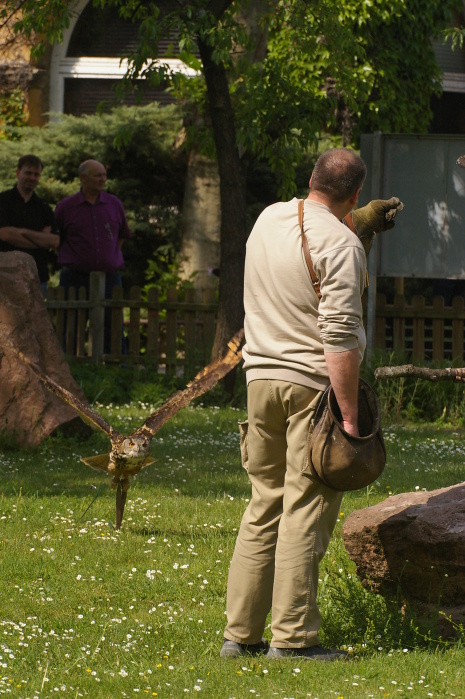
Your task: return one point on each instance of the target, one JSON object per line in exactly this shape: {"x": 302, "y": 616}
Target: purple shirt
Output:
{"x": 91, "y": 233}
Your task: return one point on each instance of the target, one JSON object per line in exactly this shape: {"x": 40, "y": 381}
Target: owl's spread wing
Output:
{"x": 86, "y": 413}
{"x": 203, "y": 382}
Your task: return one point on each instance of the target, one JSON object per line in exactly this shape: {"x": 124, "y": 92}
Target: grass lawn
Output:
{"x": 89, "y": 611}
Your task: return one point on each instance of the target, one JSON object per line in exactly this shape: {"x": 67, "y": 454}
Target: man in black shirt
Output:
{"x": 27, "y": 223}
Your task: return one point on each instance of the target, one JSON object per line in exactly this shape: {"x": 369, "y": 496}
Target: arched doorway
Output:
{"x": 86, "y": 66}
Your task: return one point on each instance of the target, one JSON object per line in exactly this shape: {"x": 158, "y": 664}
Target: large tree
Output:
{"x": 273, "y": 76}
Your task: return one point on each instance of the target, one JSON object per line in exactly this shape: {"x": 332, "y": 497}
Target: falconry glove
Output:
{"x": 375, "y": 217}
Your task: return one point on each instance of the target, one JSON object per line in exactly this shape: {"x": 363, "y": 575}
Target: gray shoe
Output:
{"x": 311, "y": 653}
{"x": 231, "y": 649}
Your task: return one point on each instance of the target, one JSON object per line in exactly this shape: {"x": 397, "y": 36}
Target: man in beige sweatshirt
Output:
{"x": 295, "y": 345}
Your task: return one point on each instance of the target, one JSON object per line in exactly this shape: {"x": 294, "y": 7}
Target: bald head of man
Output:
{"x": 93, "y": 176}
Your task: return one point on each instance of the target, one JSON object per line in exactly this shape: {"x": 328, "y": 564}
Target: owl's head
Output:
{"x": 135, "y": 446}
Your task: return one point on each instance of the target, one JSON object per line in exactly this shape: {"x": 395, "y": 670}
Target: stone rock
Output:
{"x": 28, "y": 411}
{"x": 413, "y": 545}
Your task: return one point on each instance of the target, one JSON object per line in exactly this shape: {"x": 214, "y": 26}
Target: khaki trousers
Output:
{"x": 286, "y": 528}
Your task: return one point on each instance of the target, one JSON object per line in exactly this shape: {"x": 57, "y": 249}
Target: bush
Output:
{"x": 116, "y": 384}
{"x": 12, "y": 111}
{"x": 416, "y": 400}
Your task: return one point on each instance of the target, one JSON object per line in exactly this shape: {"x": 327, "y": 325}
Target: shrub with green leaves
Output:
{"x": 416, "y": 400}
{"x": 12, "y": 111}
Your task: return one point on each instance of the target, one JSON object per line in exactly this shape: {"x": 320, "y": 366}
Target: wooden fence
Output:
{"x": 174, "y": 336}
{"x": 421, "y": 332}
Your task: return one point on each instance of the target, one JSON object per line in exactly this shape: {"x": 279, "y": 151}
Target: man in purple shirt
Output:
{"x": 92, "y": 226}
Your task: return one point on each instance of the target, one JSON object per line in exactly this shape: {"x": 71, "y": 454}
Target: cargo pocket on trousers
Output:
{"x": 307, "y": 468}
{"x": 243, "y": 430}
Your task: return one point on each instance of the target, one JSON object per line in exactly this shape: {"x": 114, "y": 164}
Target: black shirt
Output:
{"x": 34, "y": 214}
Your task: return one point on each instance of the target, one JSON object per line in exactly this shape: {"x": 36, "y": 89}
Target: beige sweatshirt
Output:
{"x": 287, "y": 331}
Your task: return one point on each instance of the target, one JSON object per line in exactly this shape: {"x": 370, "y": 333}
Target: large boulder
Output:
{"x": 28, "y": 411}
{"x": 413, "y": 545}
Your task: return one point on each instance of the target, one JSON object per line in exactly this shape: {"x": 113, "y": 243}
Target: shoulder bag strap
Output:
{"x": 350, "y": 223}
{"x": 308, "y": 258}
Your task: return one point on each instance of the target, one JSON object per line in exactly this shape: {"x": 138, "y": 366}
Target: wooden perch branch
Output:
{"x": 395, "y": 372}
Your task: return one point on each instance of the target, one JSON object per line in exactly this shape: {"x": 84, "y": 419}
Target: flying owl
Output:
{"x": 130, "y": 454}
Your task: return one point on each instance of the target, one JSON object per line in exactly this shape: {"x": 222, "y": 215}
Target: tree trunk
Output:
{"x": 233, "y": 202}
{"x": 202, "y": 206}
{"x": 201, "y": 214}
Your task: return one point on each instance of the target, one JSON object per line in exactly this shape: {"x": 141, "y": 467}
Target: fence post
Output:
{"x": 171, "y": 332}
{"x": 438, "y": 328}
{"x": 380, "y": 323}
{"x": 70, "y": 342}
{"x": 81, "y": 324}
{"x": 457, "y": 327}
{"x": 153, "y": 328}
{"x": 190, "y": 348}
{"x": 418, "y": 307}
{"x": 96, "y": 315}
{"x": 398, "y": 326}
{"x": 209, "y": 322}
{"x": 116, "y": 322}
{"x": 58, "y": 294}
{"x": 134, "y": 322}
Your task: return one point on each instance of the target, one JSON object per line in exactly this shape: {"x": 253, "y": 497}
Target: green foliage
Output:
{"x": 362, "y": 617}
{"x": 403, "y": 400}
{"x": 40, "y": 21}
{"x": 163, "y": 273}
{"x": 286, "y": 102}
{"x": 348, "y": 67}
{"x": 416, "y": 400}
{"x": 12, "y": 112}
{"x": 121, "y": 384}
{"x": 116, "y": 384}
{"x": 144, "y": 170}
{"x": 455, "y": 35}
{"x": 406, "y": 75}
